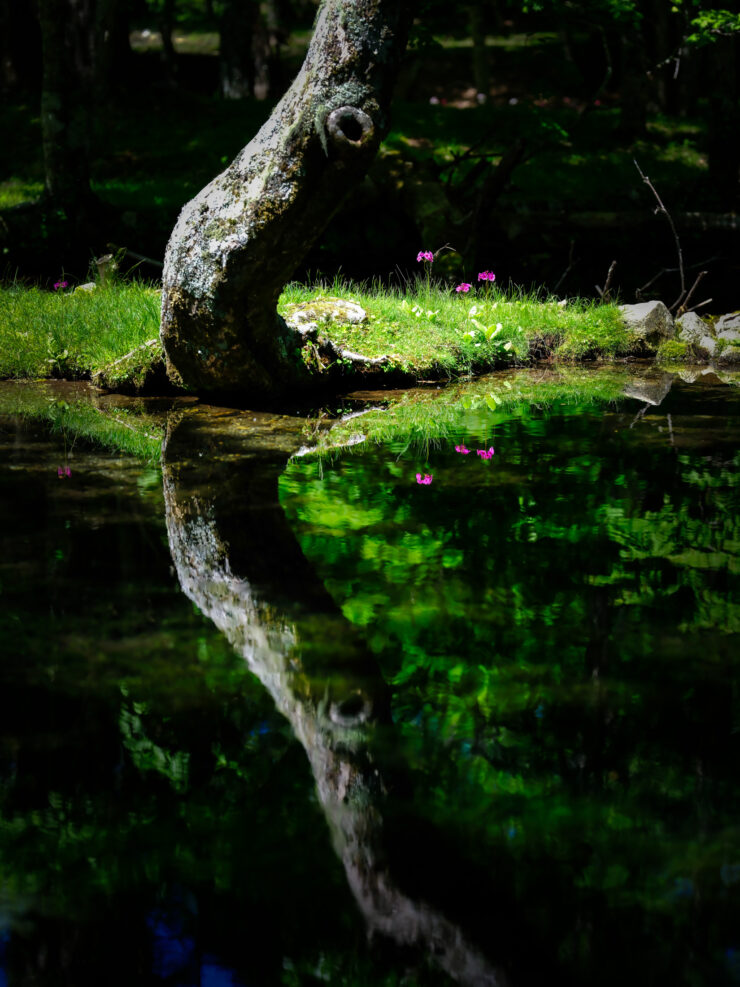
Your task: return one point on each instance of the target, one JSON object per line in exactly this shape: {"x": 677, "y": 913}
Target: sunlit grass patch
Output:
{"x": 73, "y": 333}
{"x": 14, "y": 191}
{"x": 431, "y": 330}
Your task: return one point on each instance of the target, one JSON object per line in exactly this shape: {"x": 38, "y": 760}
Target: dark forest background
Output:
{"x": 515, "y": 133}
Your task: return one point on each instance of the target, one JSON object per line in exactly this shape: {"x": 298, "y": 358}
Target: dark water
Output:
{"x": 287, "y": 721}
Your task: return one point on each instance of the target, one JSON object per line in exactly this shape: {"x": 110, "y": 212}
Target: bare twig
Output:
{"x": 569, "y": 268}
{"x": 132, "y": 253}
{"x": 672, "y": 270}
{"x": 695, "y": 285}
{"x": 445, "y": 246}
{"x": 604, "y": 292}
{"x": 706, "y": 301}
{"x": 662, "y": 209}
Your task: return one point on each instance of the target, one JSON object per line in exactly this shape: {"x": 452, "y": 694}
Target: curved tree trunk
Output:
{"x": 237, "y": 243}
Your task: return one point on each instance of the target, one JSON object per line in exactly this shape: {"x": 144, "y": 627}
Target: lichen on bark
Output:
{"x": 236, "y": 244}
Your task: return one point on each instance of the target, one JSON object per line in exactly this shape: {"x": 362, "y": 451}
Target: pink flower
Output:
{"x": 59, "y": 284}
{"x": 485, "y": 453}
{"x": 63, "y": 471}
{"x": 425, "y": 480}
{"x": 465, "y": 287}
{"x": 486, "y": 276}
{"x": 462, "y": 450}
{"x": 426, "y": 255}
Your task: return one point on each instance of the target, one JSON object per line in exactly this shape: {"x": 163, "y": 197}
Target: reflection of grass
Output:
{"x": 130, "y": 430}
{"x": 423, "y": 417}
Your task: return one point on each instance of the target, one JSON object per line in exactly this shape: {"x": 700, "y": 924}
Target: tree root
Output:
{"x": 322, "y": 346}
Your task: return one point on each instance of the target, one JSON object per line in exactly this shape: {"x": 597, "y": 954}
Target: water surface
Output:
{"x": 278, "y": 718}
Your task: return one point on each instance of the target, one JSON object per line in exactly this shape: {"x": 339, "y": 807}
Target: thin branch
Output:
{"x": 604, "y": 293}
{"x": 569, "y": 268}
{"x": 662, "y": 209}
{"x": 699, "y": 277}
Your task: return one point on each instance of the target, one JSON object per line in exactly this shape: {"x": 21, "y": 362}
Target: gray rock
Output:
{"x": 691, "y": 328}
{"x": 729, "y": 335}
{"x": 324, "y": 311}
{"x": 729, "y": 321}
{"x": 650, "y": 321}
{"x": 650, "y": 391}
{"x": 708, "y": 344}
{"x": 90, "y": 286}
{"x": 731, "y": 350}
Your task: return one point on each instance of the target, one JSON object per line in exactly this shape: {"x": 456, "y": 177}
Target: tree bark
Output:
{"x": 237, "y": 243}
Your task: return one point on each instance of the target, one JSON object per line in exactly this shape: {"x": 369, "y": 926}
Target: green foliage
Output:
{"x": 709, "y": 25}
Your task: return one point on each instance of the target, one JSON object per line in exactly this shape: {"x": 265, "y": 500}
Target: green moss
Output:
{"x": 672, "y": 350}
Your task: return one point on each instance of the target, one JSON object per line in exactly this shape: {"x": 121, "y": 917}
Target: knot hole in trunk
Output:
{"x": 350, "y": 128}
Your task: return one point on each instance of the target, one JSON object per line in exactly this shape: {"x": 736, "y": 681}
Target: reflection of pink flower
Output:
{"x": 462, "y": 449}
{"x": 464, "y": 287}
{"x": 485, "y": 453}
{"x": 425, "y": 480}
{"x": 486, "y": 276}
{"x": 63, "y": 471}
{"x": 426, "y": 255}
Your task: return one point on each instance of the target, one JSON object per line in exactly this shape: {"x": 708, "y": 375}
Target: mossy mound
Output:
{"x": 142, "y": 369}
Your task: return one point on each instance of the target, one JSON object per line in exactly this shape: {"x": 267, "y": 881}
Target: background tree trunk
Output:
{"x": 236, "y": 35}
{"x": 238, "y": 242}
{"x": 20, "y": 61}
{"x": 66, "y": 100}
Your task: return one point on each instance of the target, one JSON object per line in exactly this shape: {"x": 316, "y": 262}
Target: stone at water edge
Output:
{"x": 324, "y": 311}
{"x": 729, "y": 321}
{"x": 691, "y": 328}
{"x": 650, "y": 321}
{"x": 731, "y": 349}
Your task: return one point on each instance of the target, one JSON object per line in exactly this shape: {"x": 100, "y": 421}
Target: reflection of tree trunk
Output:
{"x": 238, "y": 560}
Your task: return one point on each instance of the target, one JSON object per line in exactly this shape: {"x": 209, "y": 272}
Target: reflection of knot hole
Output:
{"x": 350, "y": 712}
{"x": 349, "y": 127}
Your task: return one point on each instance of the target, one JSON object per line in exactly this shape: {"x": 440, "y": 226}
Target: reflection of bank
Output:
{"x": 239, "y": 562}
